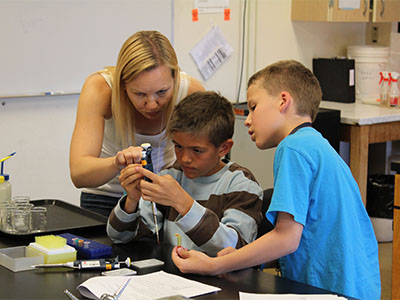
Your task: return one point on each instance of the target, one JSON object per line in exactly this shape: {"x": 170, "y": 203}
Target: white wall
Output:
{"x": 39, "y": 128}
{"x": 279, "y": 38}
{"x": 270, "y": 36}
{"x": 187, "y": 33}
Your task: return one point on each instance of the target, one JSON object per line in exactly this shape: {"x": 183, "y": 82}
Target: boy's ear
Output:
{"x": 225, "y": 147}
{"x": 286, "y": 101}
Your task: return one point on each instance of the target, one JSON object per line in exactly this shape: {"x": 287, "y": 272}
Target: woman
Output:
{"x": 121, "y": 106}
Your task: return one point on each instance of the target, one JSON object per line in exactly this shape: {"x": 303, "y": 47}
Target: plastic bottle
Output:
{"x": 384, "y": 93}
{"x": 394, "y": 90}
{"x": 5, "y": 188}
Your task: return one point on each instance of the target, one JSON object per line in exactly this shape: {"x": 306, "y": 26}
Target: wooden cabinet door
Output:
{"x": 386, "y": 11}
{"x": 328, "y": 11}
{"x": 350, "y": 15}
{"x": 306, "y": 10}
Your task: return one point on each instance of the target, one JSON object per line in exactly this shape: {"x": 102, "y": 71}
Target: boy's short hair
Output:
{"x": 295, "y": 78}
{"x": 204, "y": 113}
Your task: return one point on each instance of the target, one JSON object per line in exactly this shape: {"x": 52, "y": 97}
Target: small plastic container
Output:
{"x": 89, "y": 249}
{"x": 52, "y": 255}
{"x": 16, "y": 259}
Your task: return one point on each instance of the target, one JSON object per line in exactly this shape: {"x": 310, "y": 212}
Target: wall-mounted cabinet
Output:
{"x": 329, "y": 11}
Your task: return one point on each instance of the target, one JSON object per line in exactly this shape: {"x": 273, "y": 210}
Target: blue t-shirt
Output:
{"x": 338, "y": 250}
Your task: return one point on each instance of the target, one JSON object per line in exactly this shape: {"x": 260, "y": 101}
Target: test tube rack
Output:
{"x": 87, "y": 248}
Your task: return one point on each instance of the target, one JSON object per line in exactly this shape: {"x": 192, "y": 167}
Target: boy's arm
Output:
{"x": 122, "y": 227}
{"x": 231, "y": 219}
{"x": 282, "y": 240}
{"x": 235, "y": 228}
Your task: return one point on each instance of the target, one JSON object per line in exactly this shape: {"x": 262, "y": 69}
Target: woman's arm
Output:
{"x": 86, "y": 168}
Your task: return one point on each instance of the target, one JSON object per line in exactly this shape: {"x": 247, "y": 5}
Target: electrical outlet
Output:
{"x": 374, "y": 34}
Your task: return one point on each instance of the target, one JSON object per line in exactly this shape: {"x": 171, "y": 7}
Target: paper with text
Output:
{"x": 211, "y": 52}
{"x": 144, "y": 287}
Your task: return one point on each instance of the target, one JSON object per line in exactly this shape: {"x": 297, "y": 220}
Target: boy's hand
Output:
{"x": 127, "y": 156}
{"x": 130, "y": 180}
{"x": 165, "y": 190}
{"x": 192, "y": 261}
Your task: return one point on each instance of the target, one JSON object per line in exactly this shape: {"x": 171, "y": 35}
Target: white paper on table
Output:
{"x": 144, "y": 287}
{"x": 211, "y": 52}
{"x": 349, "y": 4}
{"x": 250, "y": 296}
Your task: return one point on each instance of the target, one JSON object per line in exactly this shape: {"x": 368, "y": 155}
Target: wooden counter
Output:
{"x": 361, "y": 125}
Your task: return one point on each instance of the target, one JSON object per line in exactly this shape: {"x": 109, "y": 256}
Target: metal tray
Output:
{"x": 62, "y": 217}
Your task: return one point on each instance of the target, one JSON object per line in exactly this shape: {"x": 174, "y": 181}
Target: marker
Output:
{"x": 53, "y": 93}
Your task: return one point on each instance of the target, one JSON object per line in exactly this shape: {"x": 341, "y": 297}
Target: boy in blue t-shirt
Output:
{"x": 322, "y": 235}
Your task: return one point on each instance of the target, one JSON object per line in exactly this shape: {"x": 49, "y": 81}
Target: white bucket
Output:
{"x": 383, "y": 229}
{"x": 369, "y": 61}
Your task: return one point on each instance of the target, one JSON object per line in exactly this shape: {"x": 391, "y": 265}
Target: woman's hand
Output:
{"x": 125, "y": 157}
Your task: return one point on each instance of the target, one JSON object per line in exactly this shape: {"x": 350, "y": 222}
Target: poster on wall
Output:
{"x": 211, "y": 52}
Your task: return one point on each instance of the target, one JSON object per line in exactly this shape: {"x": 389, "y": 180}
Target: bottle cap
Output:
{"x": 4, "y": 177}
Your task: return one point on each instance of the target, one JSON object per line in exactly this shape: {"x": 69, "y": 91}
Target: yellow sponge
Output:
{"x": 53, "y": 248}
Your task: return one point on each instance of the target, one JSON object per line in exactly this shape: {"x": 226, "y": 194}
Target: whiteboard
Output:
{"x": 53, "y": 45}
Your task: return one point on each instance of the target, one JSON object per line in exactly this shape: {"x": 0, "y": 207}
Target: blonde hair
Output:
{"x": 295, "y": 78}
{"x": 143, "y": 51}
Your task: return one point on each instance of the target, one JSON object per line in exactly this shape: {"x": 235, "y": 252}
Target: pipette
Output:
{"x": 91, "y": 264}
{"x": 148, "y": 164}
